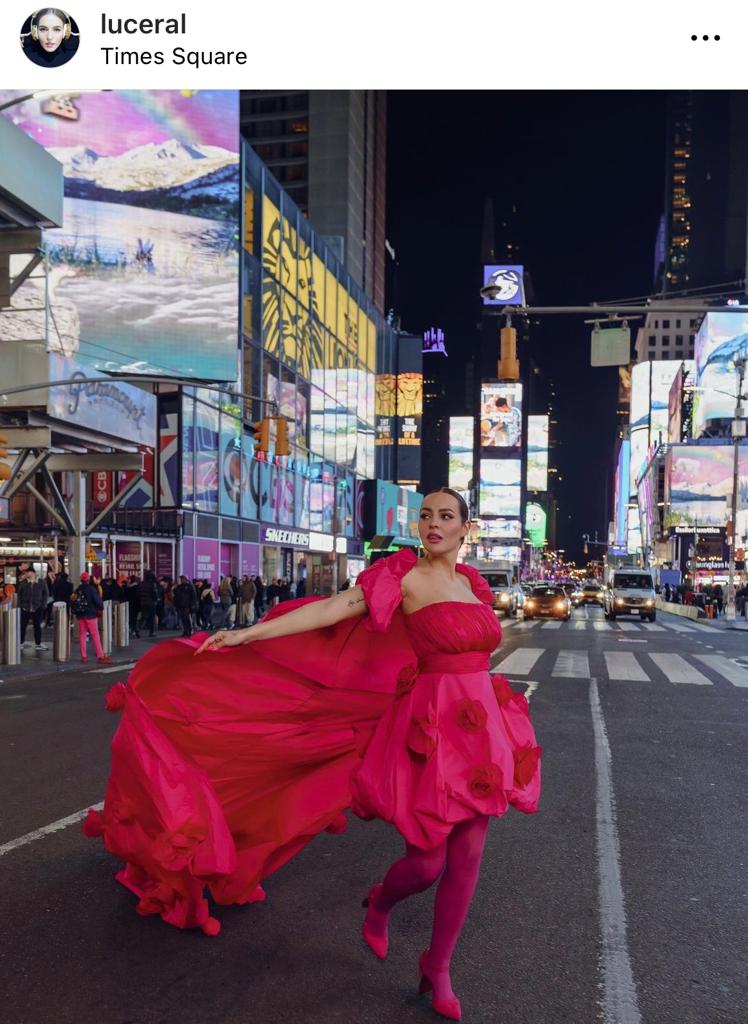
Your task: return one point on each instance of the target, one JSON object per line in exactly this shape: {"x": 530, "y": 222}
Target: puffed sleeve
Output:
{"x": 381, "y": 584}
{"x": 478, "y": 584}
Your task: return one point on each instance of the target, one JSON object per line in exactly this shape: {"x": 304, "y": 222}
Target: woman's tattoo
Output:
{"x": 355, "y": 601}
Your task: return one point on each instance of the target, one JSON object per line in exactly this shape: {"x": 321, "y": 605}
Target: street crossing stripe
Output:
{"x": 46, "y": 830}
{"x": 733, "y": 673}
{"x": 679, "y": 628}
{"x": 628, "y": 627}
{"x": 551, "y": 625}
{"x": 653, "y": 627}
{"x": 622, "y": 665}
{"x": 600, "y": 626}
{"x": 579, "y": 625}
{"x": 572, "y": 665}
{"x": 677, "y": 670}
{"x": 527, "y": 624}
{"x": 521, "y": 661}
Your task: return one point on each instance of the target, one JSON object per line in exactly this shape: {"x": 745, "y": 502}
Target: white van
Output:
{"x": 631, "y": 592}
{"x": 507, "y": 596}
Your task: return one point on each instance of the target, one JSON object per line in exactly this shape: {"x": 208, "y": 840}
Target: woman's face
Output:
{"x": 440, "y": 526}
{"x": 51, "y": 30}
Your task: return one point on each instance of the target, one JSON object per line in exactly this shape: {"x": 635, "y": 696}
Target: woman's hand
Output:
{"x": 223, "y": 638}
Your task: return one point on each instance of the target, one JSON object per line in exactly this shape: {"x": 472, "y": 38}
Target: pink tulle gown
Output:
{"x": 225, "y": 765}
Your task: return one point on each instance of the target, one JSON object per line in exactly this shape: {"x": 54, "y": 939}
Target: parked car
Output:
{"x": 548, "y": 601}
{"x": 573, "y": 593}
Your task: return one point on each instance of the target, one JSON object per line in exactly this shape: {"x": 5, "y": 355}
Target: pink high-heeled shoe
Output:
{"x": 446, "y": 1005}
{"x": 377, "y": 942}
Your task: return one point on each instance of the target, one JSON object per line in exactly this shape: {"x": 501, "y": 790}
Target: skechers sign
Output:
{"x": 510, "y": 282}
{"x": 291, "y": 538}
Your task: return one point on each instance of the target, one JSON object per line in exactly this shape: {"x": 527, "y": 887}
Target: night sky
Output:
{"x": 586, "y": 171}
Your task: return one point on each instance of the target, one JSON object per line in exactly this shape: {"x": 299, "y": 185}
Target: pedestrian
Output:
{"x": 207, "y": 604}
{"x": 32, "y": 600}
{"x": 272, "y": 592}
{"x": 226, "y": 598}
{"x": 247, "y": 593}
{"x": 149, "y": 595}
{"x": 87, "y": 604}
{"x": 62, "y": 589}
{"x": 301, "y": 587}
{"x": 50, "y": 599}
{"x": 378, "y": 699}
{"x": 132, "y": 596}
{"x": 719, "y": 596}
{"x": 185, "y": 603}
{"x": 259, "y": 597}
{"x": 284, "y": 590}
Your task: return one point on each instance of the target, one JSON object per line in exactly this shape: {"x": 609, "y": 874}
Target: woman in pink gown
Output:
{"x": 225, "y": 765}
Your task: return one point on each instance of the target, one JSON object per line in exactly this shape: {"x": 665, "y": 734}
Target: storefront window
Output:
{"x": 188, "y": 450}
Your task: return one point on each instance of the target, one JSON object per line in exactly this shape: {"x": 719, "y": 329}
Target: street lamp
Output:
{"x": 738, "y": 431}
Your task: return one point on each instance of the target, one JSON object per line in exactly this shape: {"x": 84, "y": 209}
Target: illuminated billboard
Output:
{"x": 509, "y": 280}
{"x": 143, "y": 273}
{"x": 622, "y": 496}
{"x": 500, "y": 487}
{"x": 536, "y": 521}
{"x": 537, "y": 453}
{"x": 699, "y": 488}
{"x": 385, "y": 408}
{"x": 648, "y": 418}
{"x": 722, "y": 338}
{"x": 500, "y": 529}
{"x": 460, "y": 452}
{"x": 500, "y": 416}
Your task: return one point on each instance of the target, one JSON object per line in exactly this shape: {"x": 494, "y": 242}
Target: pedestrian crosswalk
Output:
{"x": 623, "y": 666}
{"x": 600, "y": 626}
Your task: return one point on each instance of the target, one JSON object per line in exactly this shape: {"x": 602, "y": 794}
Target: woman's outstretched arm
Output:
{"x": 315, "y": 615}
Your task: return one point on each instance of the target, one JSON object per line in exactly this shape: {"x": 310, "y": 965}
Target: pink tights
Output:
{"x": 457, "y": 859}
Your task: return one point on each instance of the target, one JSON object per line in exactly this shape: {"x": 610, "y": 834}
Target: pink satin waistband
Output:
{"x": 468, "y": 661}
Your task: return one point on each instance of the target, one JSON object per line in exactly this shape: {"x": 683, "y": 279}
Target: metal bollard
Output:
{"x": 106, "y": 629}
{"x": 122, "y": 624}
{"x": 11, "y": 631}
{"x": 61, "y": 641}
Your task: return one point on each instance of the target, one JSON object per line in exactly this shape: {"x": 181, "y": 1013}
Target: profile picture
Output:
{"x": 50, "y": 37}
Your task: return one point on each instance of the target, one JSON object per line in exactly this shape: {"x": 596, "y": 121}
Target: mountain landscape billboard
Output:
{"x": 143, "y": 272}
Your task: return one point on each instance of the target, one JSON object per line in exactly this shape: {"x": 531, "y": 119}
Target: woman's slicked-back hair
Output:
{"x": 462, "y": 505}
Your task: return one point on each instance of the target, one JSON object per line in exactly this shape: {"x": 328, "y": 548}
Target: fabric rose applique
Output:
{"x": 484, "y": 780}
{"x": 406, "y": 679}
{"x": 471, "y": 715}
{"x": 422, "y": 735}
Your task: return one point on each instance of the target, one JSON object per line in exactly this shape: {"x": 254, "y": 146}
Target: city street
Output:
{"x": 538, "y": 947}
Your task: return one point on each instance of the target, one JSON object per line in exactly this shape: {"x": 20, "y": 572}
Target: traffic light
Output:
{"x": 281, "y": 438}
{"x": 262, "y": 435}
{"x": 5, "y": 469}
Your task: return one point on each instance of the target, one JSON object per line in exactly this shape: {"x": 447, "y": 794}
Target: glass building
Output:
{"x": 310, "y": 342}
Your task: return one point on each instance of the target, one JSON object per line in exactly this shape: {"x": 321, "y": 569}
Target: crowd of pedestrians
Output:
{"x": 155, "y": 605}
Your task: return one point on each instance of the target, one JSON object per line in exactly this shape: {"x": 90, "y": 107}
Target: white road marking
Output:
{"x": 678, "y": 628}
{"x": 46, "y": 830}
{"x": 572, "y": 665}
{"x": 15, "y": 696}
{"x": 622, "y": 665}
{"x": 114, "y": 668}
{"x": 601, "y": 627}
{"x": 579, "y": 625}
{"x": 527, "y": 624}
{"x": 521, "y": 661}
{"x": 530, "y": 690}
{"x": 678, "y": 670}
{"x": 653, "y": 627}
{"x": 551, "y": 625}
{"x": 735, "y": 674}
{"x": 628, "y": 627}
{"x": 620, "y": 1001}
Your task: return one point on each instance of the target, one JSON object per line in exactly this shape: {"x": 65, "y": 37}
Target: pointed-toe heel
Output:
{"x": 445, "y": 1006}
{"x": 378, "y": 943}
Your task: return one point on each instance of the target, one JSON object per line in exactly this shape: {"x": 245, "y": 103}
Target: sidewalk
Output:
{"x": 35, "y": 664}
{"x": 739, "y": 624}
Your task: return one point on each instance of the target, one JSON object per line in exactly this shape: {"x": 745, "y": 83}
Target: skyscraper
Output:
{"x": 327, "y": 148}
{"x": 703, "y": 235}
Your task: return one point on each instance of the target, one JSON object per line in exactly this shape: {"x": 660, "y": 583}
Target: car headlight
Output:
{"x": 649, "y": 602}
{"x": 560, "y": 606}
{"x": 504, "y": 598}
{"x": 619, "y": 600}
{"x": 530, "y": 603}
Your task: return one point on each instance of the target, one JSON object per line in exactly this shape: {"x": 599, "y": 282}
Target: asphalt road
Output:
{"x": 543, "y": 943}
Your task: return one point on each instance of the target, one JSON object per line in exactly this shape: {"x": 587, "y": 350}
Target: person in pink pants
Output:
{"x": 86, "y": 603}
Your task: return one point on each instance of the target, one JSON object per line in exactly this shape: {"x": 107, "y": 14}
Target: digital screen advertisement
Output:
{"x": 537, "y": 453}
{"x": 143, "y": 273}
{"x": 460, "y": 452}
{"x": 500, "y": 487}
{"x": 721, "y": 339}
{"x": 501, "y": 416}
